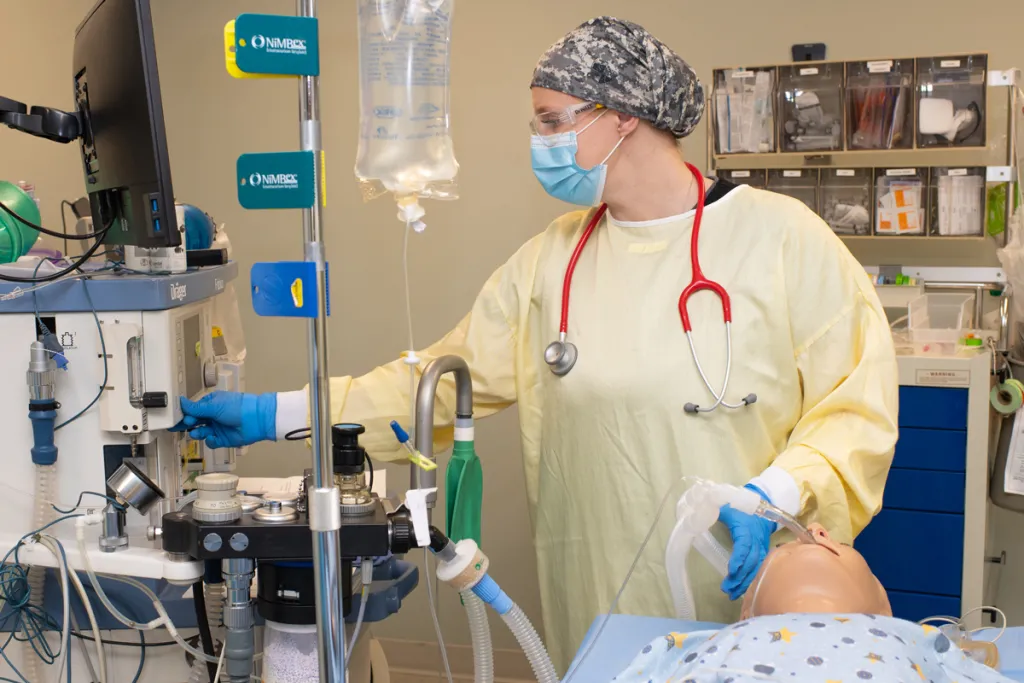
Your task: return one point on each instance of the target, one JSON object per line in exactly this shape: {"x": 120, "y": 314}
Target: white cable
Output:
{"x": 363, "y": 597}
{"x": 1000, "y": 612}
{"x": 83, "y": 648}
{"x": 944, "y": 619}
{"x": 162, "y": 618}
{"x": 220, "y": 661}
{"x": 93, "y": 624}
{"x": 366, "y": 569}
{"x": 433, "y": 614}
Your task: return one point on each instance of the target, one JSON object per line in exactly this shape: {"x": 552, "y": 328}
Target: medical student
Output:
{"x": 808, "y": 417}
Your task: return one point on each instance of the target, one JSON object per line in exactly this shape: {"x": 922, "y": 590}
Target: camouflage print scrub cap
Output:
{"x": 620, "y": 65}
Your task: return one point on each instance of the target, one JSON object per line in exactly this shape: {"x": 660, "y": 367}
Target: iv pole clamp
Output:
{"x": 324, "y": 497}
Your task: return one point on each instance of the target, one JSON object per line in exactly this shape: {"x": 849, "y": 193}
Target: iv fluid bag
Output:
{"x": 405, "y": 144}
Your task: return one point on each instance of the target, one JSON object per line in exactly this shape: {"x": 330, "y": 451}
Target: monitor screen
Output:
{"x": 124, "y": 146}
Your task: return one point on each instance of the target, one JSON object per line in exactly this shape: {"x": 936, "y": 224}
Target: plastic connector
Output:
{"x": 745, "y": 500}
{"x": 90, "y": 518}
{"x": 400, "y": 434}
{"x": 490, "y": 592}
{"x": 416, "y": 502}
{"x": 366, "y": 569}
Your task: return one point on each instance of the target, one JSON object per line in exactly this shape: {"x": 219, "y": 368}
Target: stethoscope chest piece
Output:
{"x": 561, "y": 356}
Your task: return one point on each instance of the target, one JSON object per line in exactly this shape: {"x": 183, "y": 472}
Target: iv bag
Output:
{"x": 405, "y": 144}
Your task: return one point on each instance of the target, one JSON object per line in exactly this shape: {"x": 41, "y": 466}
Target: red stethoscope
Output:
{"x": 561, "y": 355}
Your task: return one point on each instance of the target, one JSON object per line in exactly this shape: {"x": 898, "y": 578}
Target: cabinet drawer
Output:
{"x": 918, "y": 606}
{"x": 931, "y": 449}
{"x": 933, "y": 407}
{"x": 918, "y": 552}
{"x": 925, "y": 490}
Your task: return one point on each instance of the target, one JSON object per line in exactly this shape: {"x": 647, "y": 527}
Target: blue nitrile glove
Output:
{"x": 228, "y": 419}
{"x": 751, "y": 538}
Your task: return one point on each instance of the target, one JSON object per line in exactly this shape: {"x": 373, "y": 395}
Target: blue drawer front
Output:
{"x": 925, "y": 490}
{"x": 933, "y": 407}
{"x": 931, "y": 449}
{"x": 918, "y": 606}
{"x": 918, "y": 552}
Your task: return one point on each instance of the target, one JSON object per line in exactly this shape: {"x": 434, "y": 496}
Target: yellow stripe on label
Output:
{"x": 323, "y": 178}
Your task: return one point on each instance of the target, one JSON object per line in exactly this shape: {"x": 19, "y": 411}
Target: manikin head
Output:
{"x": 826, "y": 578}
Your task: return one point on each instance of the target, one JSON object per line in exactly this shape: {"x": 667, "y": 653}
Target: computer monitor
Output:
{"x": 123, "y": 142}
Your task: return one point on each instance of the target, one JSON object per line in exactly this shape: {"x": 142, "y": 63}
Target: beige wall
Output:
{"x": 211, "y": 119}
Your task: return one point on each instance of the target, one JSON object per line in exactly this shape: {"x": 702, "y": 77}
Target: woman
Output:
{"x": 813, "y": 371}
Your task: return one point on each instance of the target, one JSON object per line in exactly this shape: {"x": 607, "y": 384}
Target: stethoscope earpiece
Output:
{"x": 691, "y": 408}
{"x": 751, "y": 398}
{"x": 561, "y": 356}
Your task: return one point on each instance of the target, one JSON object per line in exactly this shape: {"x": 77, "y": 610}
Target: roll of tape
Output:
{"x": 1007, "y": 397}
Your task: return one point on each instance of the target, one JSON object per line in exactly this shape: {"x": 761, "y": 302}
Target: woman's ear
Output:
{"x": 626, "y": 124}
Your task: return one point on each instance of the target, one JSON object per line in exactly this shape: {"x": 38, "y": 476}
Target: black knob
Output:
{"x": 401, "y": 533}
{"x": 154, "y": 399}
{"x": 348, "y": 455}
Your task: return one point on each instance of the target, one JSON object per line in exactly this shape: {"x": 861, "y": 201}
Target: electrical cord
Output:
{"x": 75, "y": 265}
{"x": 121, "y": 643}
{"x": 52, "y": 233}
{"x": 26, "y": 622}
{"x": 78, "y": 504}
{"x": 203, "y": 622}
{"x": 103, "y": 352}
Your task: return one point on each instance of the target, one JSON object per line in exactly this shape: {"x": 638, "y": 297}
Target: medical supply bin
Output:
{"x": 936, "y": 323}
{"x": 845, "y": 199}
{"x": 900, "y": 201}
{"x": 957, "y": 202}
{"x": 880, "y": 104}
{"x": 951, "y": 101}
{"x": 811, "y": 107}
{"x": 798, "y": 183}
{"x": 744, "y": 110}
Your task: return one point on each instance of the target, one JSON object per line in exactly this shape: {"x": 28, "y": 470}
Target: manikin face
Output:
{"x": 822, "y": 578}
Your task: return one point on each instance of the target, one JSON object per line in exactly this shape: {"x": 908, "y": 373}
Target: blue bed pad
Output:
{"x": 625, "y": 635}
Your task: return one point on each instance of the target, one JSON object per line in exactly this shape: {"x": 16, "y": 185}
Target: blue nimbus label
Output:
{"x": 281, "y": 45}
{"x": 276, "y": 180}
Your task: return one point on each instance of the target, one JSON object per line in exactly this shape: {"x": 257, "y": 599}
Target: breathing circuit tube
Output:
{"x": 696, "y": 511}
{"x": 463, "y": 566}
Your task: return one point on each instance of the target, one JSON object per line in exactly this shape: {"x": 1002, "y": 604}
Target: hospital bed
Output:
{"x": 625, "y": 635}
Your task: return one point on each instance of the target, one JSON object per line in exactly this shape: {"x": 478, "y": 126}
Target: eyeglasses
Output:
{"x": 553, "y": 122}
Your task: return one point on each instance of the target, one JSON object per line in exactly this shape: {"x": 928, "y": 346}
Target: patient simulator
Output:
{"x": 815, "y": 612}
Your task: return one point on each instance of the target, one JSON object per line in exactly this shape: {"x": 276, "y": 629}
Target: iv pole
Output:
{"x": 324, "y": 497}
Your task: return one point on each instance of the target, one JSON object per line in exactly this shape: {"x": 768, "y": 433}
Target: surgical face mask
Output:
{"x": 554, "y": 164}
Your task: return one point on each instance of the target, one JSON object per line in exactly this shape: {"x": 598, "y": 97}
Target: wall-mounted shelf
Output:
{"x": 840, "y": 105}
{"x": 966, "y": 156}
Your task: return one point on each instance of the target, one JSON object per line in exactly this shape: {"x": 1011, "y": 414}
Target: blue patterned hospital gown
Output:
{"x": 816, "y": 648}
